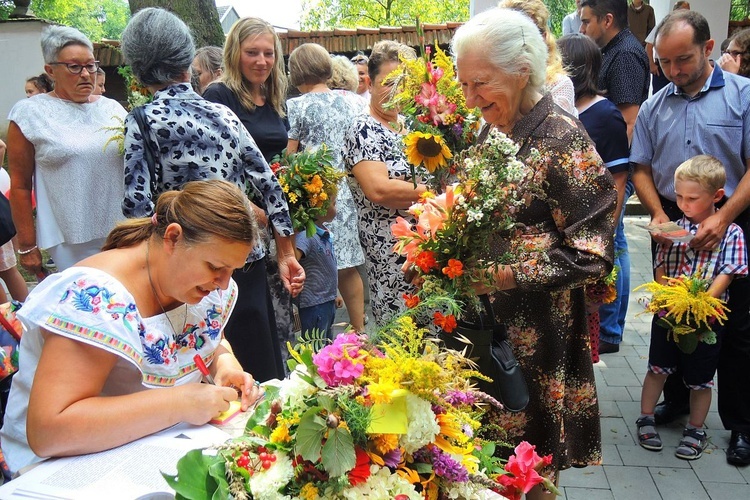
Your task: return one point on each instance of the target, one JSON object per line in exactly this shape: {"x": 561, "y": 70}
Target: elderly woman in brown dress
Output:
{"x": 562, "y": 241}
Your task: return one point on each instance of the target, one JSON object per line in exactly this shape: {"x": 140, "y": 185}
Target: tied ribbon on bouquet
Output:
{"x": 686, "y": 309}
{"x": 310, "y": 182}
{"x": 430, "y": 98}
{"x": 393, "y": 418}
{"x": 451, "y": 241}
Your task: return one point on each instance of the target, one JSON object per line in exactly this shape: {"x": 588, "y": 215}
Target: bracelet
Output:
{"x": 27, "y": 251}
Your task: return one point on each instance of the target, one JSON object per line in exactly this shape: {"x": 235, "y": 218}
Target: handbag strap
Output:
{"x": 140, "y": 118}
{"x": 489, "y": 316}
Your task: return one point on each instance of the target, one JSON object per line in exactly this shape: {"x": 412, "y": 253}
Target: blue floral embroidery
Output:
{"x": 213, "y": 325}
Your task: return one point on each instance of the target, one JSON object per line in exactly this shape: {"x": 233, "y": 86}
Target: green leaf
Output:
{"x": 195, "y": 479}
{"x": 218, "y": 471}
{"x": 687, "y": 343}
{"x": 338, "y": 452}
{"x": 310, "y": 434}
{"x": 327, "y": 403}
{"x": 311, "y": 229}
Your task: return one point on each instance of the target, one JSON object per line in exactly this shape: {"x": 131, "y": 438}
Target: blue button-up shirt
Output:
{"x": 672, "y": 127}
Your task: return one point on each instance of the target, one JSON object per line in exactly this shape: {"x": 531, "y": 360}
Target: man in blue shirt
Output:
{"x": 702, "y": 111}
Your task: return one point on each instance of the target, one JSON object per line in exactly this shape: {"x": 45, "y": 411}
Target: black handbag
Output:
{"x": 140, "y": 118}
{"x": 7, "y": 229}
{"x": 493, "y": 354}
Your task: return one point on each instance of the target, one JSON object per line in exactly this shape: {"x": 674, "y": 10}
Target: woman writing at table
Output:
{"x": 108, "y": 352}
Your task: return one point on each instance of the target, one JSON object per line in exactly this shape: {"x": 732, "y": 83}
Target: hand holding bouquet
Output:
{"x": 686, "y": 309}
{"x": 310, "y": 182}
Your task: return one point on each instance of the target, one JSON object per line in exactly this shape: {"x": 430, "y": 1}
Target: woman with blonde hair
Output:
{"x": 557, "y": 81}
{"x": 206, "y": 66}
{"x": 254, "y": 86}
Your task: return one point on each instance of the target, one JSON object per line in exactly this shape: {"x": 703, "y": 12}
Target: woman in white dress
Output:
{"x": 58, "y": 145}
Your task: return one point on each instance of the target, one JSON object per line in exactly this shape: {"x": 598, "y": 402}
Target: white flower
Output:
{"x": 294, "y": 391}
{"x": 265, "y": 485}
{"x": 423, "y": 426}
{"x": 381, "y": 485}
{"x": 467, "y": 491}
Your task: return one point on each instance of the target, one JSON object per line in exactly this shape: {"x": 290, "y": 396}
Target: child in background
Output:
{"x": 317, "y": 301}
{"x": 699, "y": 184}
{"x": 9, "y": 272}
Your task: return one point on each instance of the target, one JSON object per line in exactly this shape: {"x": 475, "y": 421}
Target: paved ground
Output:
{"x": 630, "y": 472}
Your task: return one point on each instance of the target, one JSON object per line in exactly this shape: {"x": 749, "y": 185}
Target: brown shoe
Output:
{"x": 607, "y": 347}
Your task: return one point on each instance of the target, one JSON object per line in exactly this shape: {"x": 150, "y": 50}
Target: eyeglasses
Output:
{"x": 360, "y": 59}
{"x": 734, "y": 53}
{"x": 76, "y": 69}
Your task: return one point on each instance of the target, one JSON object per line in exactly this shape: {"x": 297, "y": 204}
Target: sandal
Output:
{"x": 691, "y": 446}
{"x": 648, "y": 438}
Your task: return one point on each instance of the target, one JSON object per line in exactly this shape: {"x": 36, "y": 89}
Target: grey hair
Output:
{"x": 56, "y": 38}
{"x": 158, "y": 46}
{"x": 509, "y": 41}
{"x": 344, "y": 74}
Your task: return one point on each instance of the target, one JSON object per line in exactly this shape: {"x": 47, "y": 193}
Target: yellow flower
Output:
{"x": 280, "y": 434}
{"x": 309, "y": 492}
{"x": 315, "y": 185}
{"x": 384, "y": 443}
{"x": 427, "y": 149}
{"x": 293, "y": 197}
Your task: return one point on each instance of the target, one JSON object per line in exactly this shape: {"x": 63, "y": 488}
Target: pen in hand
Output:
{"x": 203, "y": 369}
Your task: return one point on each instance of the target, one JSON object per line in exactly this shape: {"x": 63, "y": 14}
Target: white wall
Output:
{"x": 716, "y": 13}
{"x": 22, "y": 58}
{"x": 477, "y": 6}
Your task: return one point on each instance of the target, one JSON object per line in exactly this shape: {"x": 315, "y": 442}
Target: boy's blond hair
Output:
{"x": 706, "y": 170}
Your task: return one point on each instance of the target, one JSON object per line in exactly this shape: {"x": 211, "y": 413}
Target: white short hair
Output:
{"x": 510, "y": 41}
{"x": 56, "y": 38}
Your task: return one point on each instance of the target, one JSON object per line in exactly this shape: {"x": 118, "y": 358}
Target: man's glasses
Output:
{"x": 76, "y": 69}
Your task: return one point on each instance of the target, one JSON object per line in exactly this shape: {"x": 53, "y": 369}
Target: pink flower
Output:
{"x": 342, "y": 362}
{"x": 522, "y": 470}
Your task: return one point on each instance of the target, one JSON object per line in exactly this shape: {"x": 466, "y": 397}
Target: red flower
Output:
{"x": 361, "y": 472}
{"x": 410, "y": 300}
{"x": 454, "y": 269}
{"x": 445, "y": 322}
{"x": 522, "y": 468}
{"x": 426, "y": 261}
{"x": 275, "y": 167}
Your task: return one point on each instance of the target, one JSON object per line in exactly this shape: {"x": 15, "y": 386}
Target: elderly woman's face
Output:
{"x": 257, "y": 57}
{"x": 380, "y": 89}
{"x": 76, "y": 88}
{"x": 496, "y": 94}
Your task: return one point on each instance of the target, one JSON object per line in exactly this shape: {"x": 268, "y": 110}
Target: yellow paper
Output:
{"x": 222, "y": 418}
{"x": 390, "y": 418}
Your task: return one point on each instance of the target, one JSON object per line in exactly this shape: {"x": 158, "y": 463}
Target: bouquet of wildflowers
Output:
{"x": 685, "y": 308}
{"x": 429, "y": 96}
{"x": 310, "y": 182}
{"x": 138, "y": 94}
{"x": 396, "y": 419}
{"x": 454, "y": 230}
{"x": 603, "y": 290}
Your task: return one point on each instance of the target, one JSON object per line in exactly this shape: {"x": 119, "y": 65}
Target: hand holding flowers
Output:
{"x": 309, "y": 180}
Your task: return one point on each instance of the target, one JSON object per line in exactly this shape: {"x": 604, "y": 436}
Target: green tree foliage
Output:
{"x": 329, "y": 14}
{"x": 97, "y": 19}
{"x": 739, "y": 10}
{"x": 558, "y": 9}
{"x": 200, "y": 15}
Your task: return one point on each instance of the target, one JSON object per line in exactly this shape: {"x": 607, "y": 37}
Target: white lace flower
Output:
{"x": 294, "y": 391}
{"x": 423, "y": 426}
{"x": 382, "y": 484}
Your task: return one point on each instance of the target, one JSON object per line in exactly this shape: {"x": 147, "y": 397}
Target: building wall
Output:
{"x": 22, "y": 58}
{"x": 716, "y": 13}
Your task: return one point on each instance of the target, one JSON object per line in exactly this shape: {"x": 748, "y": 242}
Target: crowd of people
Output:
{"x": 206, "y": 262}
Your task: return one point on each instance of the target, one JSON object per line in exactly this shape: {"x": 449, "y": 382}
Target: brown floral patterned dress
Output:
{"x": 564, "y": 241}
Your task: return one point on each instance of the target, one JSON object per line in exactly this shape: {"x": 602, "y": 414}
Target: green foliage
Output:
{"x": 310, "y": 434}
{"x": 558, "y": 9}
{"x": 198, "y": 476}
{"x": 739, "y": 10}
{"x": 329, "y": 14}
{"x": 97, "y": 19}
{"x": 338, "y": 452}
{"x": 357, "y": 417}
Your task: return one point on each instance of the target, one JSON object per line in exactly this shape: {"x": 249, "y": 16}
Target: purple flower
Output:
{"x": 447, "y": 468}
{"x": 460, "y": 398}
{"x": 392, "y": 458}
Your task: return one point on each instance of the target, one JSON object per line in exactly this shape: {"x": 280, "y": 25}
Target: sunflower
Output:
{"x": 427, "y": 149}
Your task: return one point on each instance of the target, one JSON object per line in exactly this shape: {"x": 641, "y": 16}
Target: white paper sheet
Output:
{"x": 128, "y": 472}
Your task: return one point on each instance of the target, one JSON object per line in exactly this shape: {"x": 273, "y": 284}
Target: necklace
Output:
{"x": 153, "y": 290}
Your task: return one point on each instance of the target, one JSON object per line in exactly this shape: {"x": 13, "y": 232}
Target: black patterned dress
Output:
{"x": 369, "y": 140}
{"x": 564, "y": 241}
